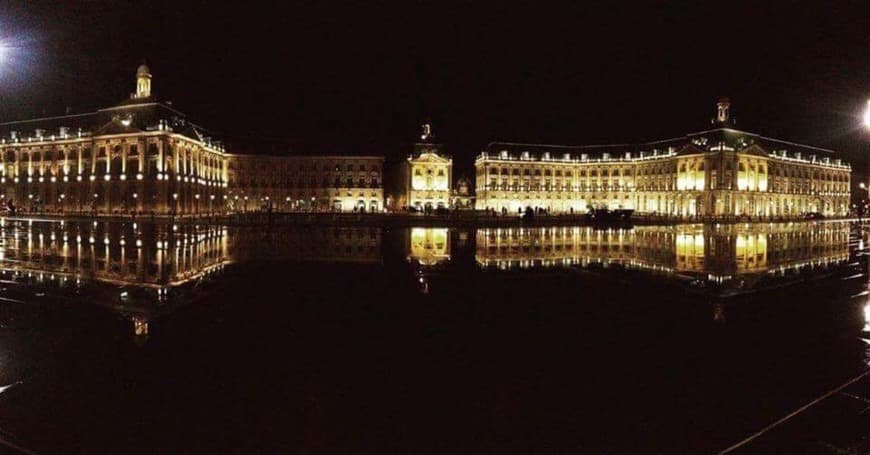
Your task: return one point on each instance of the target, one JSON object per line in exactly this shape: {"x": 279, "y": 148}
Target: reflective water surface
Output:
{"x": 141, "y": 337}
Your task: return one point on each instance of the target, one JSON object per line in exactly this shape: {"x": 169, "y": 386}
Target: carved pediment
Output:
{"x": 431, "y": 157}
{"x": 116, "y": 127}
{"x": 690, "y": 149}
{"x": 755, "y": 149}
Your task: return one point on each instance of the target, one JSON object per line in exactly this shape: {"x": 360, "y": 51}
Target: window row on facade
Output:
{"x": 703, "y": 184}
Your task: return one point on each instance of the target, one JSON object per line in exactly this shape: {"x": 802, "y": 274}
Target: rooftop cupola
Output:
{"x": 426, "y": 132}
{"x": 723, "y": 116}
{"x": 143, "y": 82}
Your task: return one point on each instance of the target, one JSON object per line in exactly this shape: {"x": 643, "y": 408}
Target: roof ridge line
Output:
{"x": 561, "y": 146}
{"x": 47, "y": 118}
{"x": 813, "y": 147}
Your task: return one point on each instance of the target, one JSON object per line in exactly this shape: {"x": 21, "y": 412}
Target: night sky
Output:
{"x": 359, "y": 78}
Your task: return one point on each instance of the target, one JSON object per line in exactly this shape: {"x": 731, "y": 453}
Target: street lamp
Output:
{"x": 867, "y": 116}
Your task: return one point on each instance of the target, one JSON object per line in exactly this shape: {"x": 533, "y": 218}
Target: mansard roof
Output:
{"x": 130, "y": 116}
{"x": 558, "y": 150}
{"x": 717, "y": 139}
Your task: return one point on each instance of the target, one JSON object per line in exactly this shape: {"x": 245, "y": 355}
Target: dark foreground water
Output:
{"x": 123, "y": 338}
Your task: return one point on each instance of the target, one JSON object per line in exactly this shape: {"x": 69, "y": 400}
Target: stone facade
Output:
{"x": 717, "y": 173}
{"x": 305, "y": 183}
{"x": 423, "y": 180}
{"x": 141, "y": 156}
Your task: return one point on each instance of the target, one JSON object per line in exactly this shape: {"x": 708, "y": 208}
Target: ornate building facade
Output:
{"x": 142, "y": 155}
{"x": 718, "y": 172}
{"x": 423, "y": 181}
{"x": 305, "y": 183}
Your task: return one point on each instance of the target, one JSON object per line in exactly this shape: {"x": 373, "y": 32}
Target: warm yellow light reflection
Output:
{"x": 430, "y": 246}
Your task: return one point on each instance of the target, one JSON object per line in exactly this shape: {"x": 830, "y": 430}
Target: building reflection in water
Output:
{"x": 121, "y": 254}
{"x": 716, "y": 253}
{"x": 133, "y": 268}
{"x": 144, "y": 270}
{"x": 308, "y": 244}
{"x": 429, "y": 246}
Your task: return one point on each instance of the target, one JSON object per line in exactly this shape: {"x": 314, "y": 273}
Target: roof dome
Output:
{"x": 143, "y": 70}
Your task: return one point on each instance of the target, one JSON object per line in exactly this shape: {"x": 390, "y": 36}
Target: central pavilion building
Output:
{"x": 422, "y": 181}
{"x": 719, "y": 172}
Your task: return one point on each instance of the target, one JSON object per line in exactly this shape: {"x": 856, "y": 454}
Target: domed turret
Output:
{"x": 143, "y": 82}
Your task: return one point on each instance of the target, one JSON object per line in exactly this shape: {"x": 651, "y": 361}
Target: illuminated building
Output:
{"x": 423, "y": 180}
{"x": 463, "y": 195}
{"x": 310, "y": 183}
{"x": 718, "y": 172}
{"x": 141, "y": 155}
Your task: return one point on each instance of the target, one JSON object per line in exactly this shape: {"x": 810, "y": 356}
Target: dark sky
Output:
{"x": 359, "y": 77}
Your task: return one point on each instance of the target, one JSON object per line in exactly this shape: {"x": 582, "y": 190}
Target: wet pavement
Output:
{"x": 838, "y": 421}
